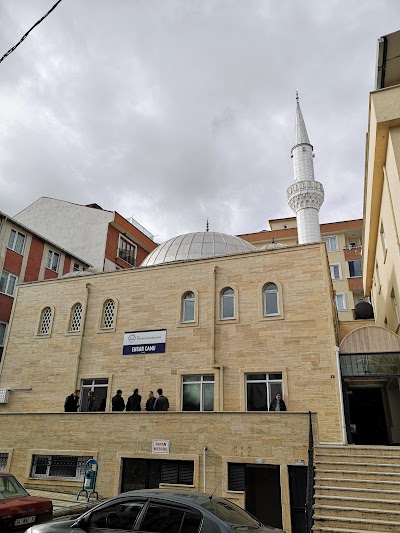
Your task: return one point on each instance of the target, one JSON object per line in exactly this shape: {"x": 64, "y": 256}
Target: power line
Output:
{"x": 29, "y": 31}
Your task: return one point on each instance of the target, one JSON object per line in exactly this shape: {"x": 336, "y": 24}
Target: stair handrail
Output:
{"x": 309, "y": 507}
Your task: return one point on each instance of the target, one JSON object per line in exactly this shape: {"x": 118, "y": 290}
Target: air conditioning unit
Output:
{"x": 4, "y": 395}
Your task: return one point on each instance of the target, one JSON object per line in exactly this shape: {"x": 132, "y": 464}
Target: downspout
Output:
{"x": 204, "y": 469}
{"x": 339, "y": 384}
{"x": 78, "y": 355}
{"x": 214, "y": 299}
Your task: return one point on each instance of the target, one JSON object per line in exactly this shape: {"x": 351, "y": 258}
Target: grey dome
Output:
{"x": 273, "y": 246}
{"x": 197, "y": 246}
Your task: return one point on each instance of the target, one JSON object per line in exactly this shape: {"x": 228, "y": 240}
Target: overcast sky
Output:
{"x": 178, "y": 111}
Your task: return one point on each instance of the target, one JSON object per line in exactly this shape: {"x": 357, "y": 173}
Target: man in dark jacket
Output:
{"x": 150, "y": 402}
{"x": 161, "y": 403}
{"x": 277, "y": 403}
{"x": 117, "y": 402}
{"x": 72, "y": 402}
{"x": 133, "y": 403}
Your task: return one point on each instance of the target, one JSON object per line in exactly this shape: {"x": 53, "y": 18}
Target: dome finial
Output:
{"x": 297, "y": 95}
{"x": 207, "y": 225}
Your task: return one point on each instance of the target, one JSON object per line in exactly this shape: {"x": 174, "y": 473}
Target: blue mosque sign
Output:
{"x": 138, "y": 342}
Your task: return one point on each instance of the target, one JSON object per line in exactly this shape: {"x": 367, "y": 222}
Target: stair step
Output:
{"x": 356, "y": 492}
{"x": 366, "y": 458}
{"x": 379, "y": 482}
{"x": 385, "y": 504}
{"x": 357, "y": 472}
{"x": 377, "y": 466}
{"x": 337, "y": 511}
{"x": 341, "y": 530}
{"x": 383, "y": 526}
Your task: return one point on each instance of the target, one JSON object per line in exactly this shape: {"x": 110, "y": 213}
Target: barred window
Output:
{"x": 76, "y": 318}
{"x": 108, "y": 315}
{"x": 61, "y": 466}
{"x": 3, "y": 461}
{"x": 45, "y": 321}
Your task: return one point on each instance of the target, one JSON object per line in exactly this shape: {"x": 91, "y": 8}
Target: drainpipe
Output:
{"x": 78, "y": 356}
{"x": 214, "y": 299}
{"x": 339, "y": 384}
{"x": 204, "y": 469}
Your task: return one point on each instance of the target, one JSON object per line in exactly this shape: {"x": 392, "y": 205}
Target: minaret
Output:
{"x": 306, "y": 195}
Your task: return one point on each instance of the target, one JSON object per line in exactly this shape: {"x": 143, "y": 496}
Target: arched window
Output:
{"x": 76, "y": 318}
{"x": 45, "y": 321}
{"x": 108, "y": 314}
{"x": 270, "y": 299}
{"x": 227, "y": 303}
{"x": 188, "y": 303}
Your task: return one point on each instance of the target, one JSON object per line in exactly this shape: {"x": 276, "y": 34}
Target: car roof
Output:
{"x": 195, "y": 499}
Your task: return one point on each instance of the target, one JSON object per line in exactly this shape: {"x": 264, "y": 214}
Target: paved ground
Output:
{"x": 65, "y": 503}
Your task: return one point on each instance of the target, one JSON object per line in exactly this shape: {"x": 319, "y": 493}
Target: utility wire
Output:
{"x": 29, "y": 31}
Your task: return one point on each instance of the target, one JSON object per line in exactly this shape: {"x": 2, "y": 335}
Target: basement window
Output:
{"x": 59, "y": 466}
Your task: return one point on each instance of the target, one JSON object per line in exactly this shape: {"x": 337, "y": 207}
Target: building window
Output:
{"x": 127, "y": 251}
{"x": 76, "y": 318}
{"x": 60, "y": 466}
{"x": 198, "y": 393}
{"x": 188, "y": 303}
{"x": 383, "y": 238}
{"x": 270, "y": 299}
{"x": 340, "y": 302}
{"x": 261, "y": 389}
{"x": 45, "y": 321}
{"x": 177, "y": 472}
{"x": 108, "y": 315}
{"x": 355, "y": 268}
{"x": 3, "y": 461}
{"x": 395, "y": 307}
{"x": 227, "y": 303}
{"x": 331, "y": 243}
{"x": 16, "y": 242}
{"x": 3, "y": 328}
{"x": 76, "y": 267}
{"x": 336, "y": 271}
{"x": 53, "y": 260}
{"x": 7, "y": 283}
{"x": 236, "y": 477}
{"x": 94, "y": 394}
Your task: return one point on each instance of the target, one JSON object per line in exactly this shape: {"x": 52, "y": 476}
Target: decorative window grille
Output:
{"x": 60, "y": 466}
{"x": 45, "y": 321}
{"x": 108, "y": 314}
{"x": 270, "y": 295}
{"x": 76, "y": 318}
{"x": 3, "y": 461}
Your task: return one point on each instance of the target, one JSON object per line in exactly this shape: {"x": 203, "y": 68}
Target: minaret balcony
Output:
{"x": 303, "y": 194}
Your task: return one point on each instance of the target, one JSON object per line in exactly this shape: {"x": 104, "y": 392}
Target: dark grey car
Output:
{"x": 160, "y": 511}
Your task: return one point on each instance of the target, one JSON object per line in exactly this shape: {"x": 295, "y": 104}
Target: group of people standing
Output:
{"x": 160, "y": 403}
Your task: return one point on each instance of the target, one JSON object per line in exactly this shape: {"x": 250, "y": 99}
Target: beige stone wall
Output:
{"x": 300, "y": 343}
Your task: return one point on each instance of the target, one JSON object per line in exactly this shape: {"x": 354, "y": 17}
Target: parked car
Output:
{"x": 17, "y": 508}
{"x": 161, "y": 511}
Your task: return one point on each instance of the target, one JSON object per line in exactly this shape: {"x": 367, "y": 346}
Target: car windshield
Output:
{"x": 10, "y": 488}
{"x": 239, "y": 519}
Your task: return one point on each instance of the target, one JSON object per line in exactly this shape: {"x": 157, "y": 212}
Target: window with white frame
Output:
{"x": 3, "y": 329}
{"x": 76, "y": 318}
{"x": 8, "y": 283}
{"x": 340, "y": 302}
{"x": 3, "y": 461}
{"x": 59, "y": 466}
{"x": 188, "y": 307}
{"x": 198, "y": 393}
{"x": 16, "y": 242}
{"x": 355, "y": 268}
{"x": 261, "y": 389}
{"x": 107, "y": 321}
{"x": 336, "y": 271}
{"x": 45, "y": 321}
{"x": 77, "y": 267}
{"x": 127, "y": 251}
{"x": 53, "y": 260}
{"x": 270, "y": 300}
{"x": 227, "y": 303}
{"x": 331, "y": 243}
{"x": 395, "y": 307}
{"x": 93, "y": 394}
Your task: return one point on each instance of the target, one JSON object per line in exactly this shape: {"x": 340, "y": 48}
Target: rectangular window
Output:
{"x": 236, "y": 477}
{"x": 177, "y": 472}
{"x": 198, "y": 393}
{"x": 340, "y": 302}
{"x": 355, "y": 268}
{"x": 60, "y": 466}
{"x": 127, "y": 251}
{"x": 7, "y": 283}
{"x": 3, "y": 328}
{"x": 76, "y": 267}
{"x": 261, "y": 389}
{"x": 3, "y": 461}
{"x": 53, "y": 260}
{"x": 94, "y": 395}
{"x": 16, "y": 242}
{"x": 331, "y": 243}
{"x": 336, "y": 271}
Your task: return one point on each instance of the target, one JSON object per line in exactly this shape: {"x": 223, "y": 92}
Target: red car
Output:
{"x": 18, "y": 510}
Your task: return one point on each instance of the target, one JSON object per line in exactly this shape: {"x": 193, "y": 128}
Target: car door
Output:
{"x": 115, "y": 517}
{"x": 167, "y": 517}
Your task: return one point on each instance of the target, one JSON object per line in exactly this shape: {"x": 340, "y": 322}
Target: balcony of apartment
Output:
{"x": 352, "y": 253}
{"x": 355, "y": 284}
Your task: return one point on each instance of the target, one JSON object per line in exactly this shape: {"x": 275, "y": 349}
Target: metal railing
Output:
{"x": 310, "y": 478}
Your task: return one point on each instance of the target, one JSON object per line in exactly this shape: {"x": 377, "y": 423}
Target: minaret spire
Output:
{"x": 306, "y": 195}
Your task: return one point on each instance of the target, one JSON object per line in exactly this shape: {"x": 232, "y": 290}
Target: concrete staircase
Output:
{"x": 357, "y": 489}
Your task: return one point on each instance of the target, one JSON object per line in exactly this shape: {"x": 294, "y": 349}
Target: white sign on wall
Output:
{"x": 160, "y": 446}
{"x": 138, "y": 342}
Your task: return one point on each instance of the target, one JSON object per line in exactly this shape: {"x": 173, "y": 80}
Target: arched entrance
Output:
{"x": 370, "y": 368}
